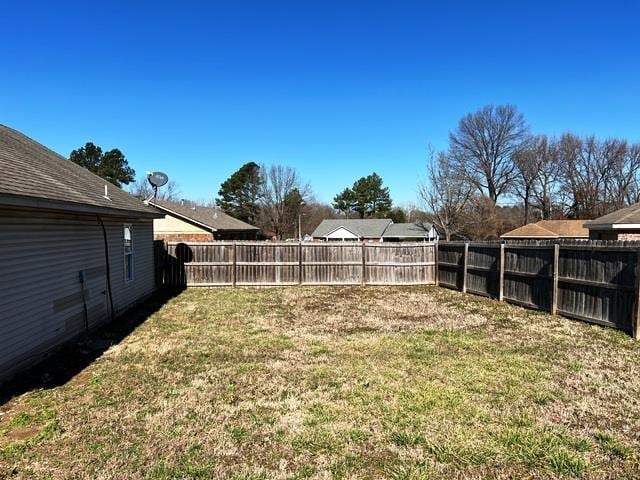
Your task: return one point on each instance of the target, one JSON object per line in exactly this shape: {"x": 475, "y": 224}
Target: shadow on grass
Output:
{"x": 71, "y": 358}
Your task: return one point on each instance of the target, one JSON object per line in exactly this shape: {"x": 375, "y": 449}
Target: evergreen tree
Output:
{"x": 368, "y": 197}
{"x": 111, "y": 165}
{"x": 239, "y": 195}
{"x": 345, "y": 201}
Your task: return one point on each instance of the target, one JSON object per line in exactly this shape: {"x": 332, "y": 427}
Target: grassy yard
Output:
{"x": 293, "y": 383}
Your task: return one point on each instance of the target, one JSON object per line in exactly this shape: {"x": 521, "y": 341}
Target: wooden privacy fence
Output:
{"x": 596, "y": 282}
{"x": 301, "y": 263}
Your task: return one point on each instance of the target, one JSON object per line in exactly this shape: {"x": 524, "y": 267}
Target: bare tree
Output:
{"x": 536, "y": 176}
{"x": 283, "y": 195}
{"x": 142, "y": 189}
{"x": 546, "y": 185}
{"x": 598, "y": 175}
{"x": 483, "y": 145}
{"x": 624, "y": 170}
{"x": 525, "y": 162}
{"x": 446, "y": 194}
{"x": 313, "y": 212}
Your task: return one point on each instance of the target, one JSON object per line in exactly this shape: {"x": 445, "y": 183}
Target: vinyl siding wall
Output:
{"x": 172, "y": 225}
{"x": 41, "y": 299}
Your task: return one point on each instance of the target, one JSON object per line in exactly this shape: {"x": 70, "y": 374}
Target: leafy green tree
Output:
{"x": 239, "y": 195}
{"x": 111, "y": 165}
{"x": 368, "y": 197}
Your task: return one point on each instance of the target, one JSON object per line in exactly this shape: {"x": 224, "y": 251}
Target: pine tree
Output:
{"x": 367, "y": 197}
{"x": 239, "y": 195}
{"x": 111, "y": 165}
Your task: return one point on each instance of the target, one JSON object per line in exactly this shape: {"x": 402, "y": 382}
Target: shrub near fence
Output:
{"x": 592, "y": 281}
{"x": 308, "y": 263}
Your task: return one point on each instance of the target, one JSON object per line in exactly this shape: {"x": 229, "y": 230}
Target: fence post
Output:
{"x": 300, "y": 263}
{"x": 554, "y": 281}
{"x": 465, "y": 259}
{"x": 635, "y": 320}
{"x": 363, "y": 280}
{"x": 233, "y": 264}
{"x": 435, "y": 266}
{"x": 501, "y": 274}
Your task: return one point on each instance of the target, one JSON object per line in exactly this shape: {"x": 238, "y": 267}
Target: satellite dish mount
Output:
{"x": 156, "y": 179}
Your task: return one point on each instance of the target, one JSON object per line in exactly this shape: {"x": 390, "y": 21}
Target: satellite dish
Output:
{"x": 157, "y": 179}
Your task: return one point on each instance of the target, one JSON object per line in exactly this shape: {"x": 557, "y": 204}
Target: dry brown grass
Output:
{"x": 344, "y": 382}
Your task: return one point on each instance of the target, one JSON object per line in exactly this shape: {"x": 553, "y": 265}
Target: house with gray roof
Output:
{"x": 623, "y": 224}
{"x": 373, "y": 230}
{"x": 369, "y": 229}
{"x": 410, "y": 232}
{"x": 186, "y": 222}
{"x": 75, "y": 251}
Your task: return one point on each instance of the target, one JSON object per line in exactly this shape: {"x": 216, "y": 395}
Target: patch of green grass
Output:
{"x": 405, "y": 439}
{"x": 612, "y": 446}
{"x": 565, "y": 463}
{"x": 316, "y": 440}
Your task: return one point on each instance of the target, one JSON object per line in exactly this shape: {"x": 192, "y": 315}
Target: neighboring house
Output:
{"x": 373, "y": 230}
{"x": 185, "y": 222}
{"x": 369, "y": 230}
{"x": 411, "y": 232}
{"x": 549, "y": 230}
{"x": 75, "y": 251}
{"x": 623, "y": 224}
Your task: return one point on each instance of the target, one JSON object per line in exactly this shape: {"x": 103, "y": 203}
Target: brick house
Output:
{"x": 623, "y": 224}
{"x": 185, "y": 222}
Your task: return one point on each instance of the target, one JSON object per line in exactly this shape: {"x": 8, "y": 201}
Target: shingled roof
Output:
{"x": 363, "y": 228}
{"x": 623, "y": 217}
{"x": 408, "y": 230}
{"x": 208, "y": 217}
{"x": 34, "y": 176}
{"x": 550, "y": 229}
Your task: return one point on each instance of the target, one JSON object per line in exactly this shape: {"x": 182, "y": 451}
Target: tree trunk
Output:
{"x": 526, "y": 212}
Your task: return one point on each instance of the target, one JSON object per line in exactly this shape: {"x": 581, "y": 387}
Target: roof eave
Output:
{"x": 531, "y": 236}
{"x": 183, "y": 217}
{"x": 612, "y": 226}
{"x": 17, "y": 201}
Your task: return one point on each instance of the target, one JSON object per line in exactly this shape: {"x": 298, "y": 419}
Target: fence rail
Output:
{"x": 286, "y": 263}
{"x": 595, "y": 282}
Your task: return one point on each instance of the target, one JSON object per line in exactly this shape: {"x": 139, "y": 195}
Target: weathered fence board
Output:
{"x": 396, "y": 264}
{"x": 287, "y": 263}
{"x": 450, "y": 265}
{"x": 597, "y": 285}
{"x": 528, "y": 276}
{"x": 331, "y": 263}
{"x": 482, "y": 270}
{"x": 596, "y": 282}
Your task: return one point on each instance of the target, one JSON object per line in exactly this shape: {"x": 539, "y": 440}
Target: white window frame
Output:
{"x": 126, "y": 254}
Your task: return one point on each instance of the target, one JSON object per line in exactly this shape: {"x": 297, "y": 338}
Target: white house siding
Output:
{"x": 40, "y": 292}
{"x": 341, "y": 234}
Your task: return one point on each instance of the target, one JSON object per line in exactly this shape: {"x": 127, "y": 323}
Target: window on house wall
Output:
{"x": 128, "y": 253}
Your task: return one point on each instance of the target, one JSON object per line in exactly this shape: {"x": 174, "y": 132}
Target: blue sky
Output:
{"x": 336, "y": 89}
